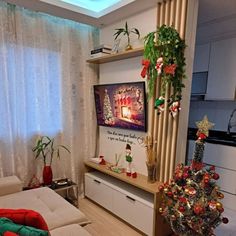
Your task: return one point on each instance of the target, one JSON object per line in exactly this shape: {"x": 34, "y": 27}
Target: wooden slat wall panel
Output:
{"x": 164, "y": 127}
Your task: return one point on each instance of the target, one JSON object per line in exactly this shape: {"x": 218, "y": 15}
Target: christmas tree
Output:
{"x": 191, "y": 199}
{"x": 107, "y": 111}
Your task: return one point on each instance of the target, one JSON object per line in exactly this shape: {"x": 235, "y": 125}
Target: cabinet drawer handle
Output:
{"x": 130, "y": 198}
{"x": 98, "y": 182}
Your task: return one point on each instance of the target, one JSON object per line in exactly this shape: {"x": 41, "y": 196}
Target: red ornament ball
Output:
{"x": 185, "y": 175}
{"x": 183, "y": 199}
{"x": 161, "y": 188}
{"x": 169, "y": 194}
{"x": 198, "y": 209}
{"x": 181, "y": 209}
{"x": 225, "y": 220}
{"x": 212, "y": 168}
{"x": 215, "y": 176}
{"x": 221, "y": 210}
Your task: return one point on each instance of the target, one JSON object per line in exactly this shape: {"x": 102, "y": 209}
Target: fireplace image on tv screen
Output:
{"x": 121, "y": 105}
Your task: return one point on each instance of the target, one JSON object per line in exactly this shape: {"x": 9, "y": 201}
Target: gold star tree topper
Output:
{"x": 204, "y": 126}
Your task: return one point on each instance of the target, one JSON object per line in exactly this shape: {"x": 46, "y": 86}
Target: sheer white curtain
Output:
{"x": 45, "y": 89}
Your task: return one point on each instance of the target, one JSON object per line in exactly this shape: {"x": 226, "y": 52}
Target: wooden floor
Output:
{"x": 104, "y": 223}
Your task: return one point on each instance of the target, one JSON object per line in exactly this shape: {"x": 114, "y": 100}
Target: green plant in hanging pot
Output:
{"x": 126, "y": 31}
{"x": 46, "y": 148}
{"x": 164, "y": 59}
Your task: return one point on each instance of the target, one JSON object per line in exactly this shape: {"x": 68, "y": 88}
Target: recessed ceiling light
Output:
{"x": 94, "y": 8}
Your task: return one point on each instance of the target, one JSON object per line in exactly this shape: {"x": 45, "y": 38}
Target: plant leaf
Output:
{"x": 65, "y": 148}
{"x": 126, "y": 26}
{"x": 136, "y": 31}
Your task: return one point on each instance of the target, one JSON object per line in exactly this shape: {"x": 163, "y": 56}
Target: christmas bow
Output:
{"x": 170, "y": 69}
{"x": 145, "y": 64}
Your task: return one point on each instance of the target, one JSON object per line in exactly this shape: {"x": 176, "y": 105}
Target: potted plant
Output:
{"x": 45, "y": 147}
{"x": 126, "y": 31}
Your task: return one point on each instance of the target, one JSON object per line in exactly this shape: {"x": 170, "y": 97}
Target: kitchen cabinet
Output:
{"x": 201, "y": 58}
{"x": 125, "y": 201}
{"x": 222, "y": 70}
{"x": 223, "y": 158}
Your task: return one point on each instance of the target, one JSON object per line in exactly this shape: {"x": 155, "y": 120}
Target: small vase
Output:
{"x": 47, "y": 175}
{"x": 151, "y": 168}
{"x": 128, "y": 47}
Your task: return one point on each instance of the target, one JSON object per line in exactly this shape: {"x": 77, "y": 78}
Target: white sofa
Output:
{"x": 61, "y": 217}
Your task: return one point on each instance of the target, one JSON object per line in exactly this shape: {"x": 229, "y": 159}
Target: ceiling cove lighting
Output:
{"x": 94, "y": 8}
{"x": 92, "y": 5}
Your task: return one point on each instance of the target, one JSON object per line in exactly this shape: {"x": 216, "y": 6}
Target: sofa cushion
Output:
{"x": 10, "y": 184}
{"x": 55, "y": 210}
{"x": 25, "y": 217}
{"x": 22, "y": 230}
{"x": 70, "y": 230}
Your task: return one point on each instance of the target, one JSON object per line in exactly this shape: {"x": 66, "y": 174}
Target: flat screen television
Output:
{"x": 121, "y": 105}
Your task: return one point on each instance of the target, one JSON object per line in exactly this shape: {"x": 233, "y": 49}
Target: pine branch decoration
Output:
{"x": 165, "y": 45}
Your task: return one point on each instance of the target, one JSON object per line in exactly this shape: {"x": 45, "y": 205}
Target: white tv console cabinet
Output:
{"x": 132, "y": 199}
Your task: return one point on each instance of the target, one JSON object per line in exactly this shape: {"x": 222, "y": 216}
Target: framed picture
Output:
{"x": 121, "y": 105}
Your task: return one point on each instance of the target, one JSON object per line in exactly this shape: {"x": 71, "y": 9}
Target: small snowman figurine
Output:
{"x": 129, "y": 158}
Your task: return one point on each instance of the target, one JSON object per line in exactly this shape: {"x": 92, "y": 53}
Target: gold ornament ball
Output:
{"x": 165, "y": 190}
{"x": 218, "y": 205}
{"x": 173, "y": 217}
{"x": 161, "y": 210}
{"x": 186, "y": 190}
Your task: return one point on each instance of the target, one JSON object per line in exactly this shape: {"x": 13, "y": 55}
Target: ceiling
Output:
{"x": 120, "y": 10}
{"x": 212, "y": 10}
{"x": 209, "y": 10}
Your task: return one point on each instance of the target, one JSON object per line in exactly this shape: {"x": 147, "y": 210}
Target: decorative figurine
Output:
{"x": 129, "y": 158}
{"x": 174, "y": 108}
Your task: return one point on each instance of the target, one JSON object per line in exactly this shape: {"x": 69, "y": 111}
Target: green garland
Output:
{"x": 166, "y": 46}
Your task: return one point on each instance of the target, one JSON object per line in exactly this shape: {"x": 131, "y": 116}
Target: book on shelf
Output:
{"x": 103, "y": 46}
{"x": 94, "y": 51}
{"x": 99, "y": 54}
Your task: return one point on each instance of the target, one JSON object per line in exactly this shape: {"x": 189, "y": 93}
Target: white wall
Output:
{"x": 124, "y": 71}
{"x": 217, "y": 112}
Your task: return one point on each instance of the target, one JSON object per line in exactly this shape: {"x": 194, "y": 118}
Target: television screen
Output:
{"x": 121, "y": 105}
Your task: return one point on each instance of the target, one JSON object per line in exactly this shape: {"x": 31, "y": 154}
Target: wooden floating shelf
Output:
{"x": 117, "y": 56}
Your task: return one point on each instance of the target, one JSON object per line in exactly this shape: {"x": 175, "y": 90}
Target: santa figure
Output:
{"x": 159, "y": 104}
{"x": 175, "y": 108}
